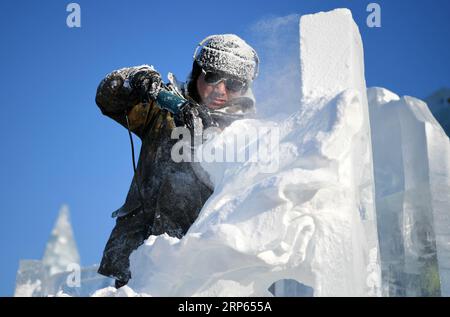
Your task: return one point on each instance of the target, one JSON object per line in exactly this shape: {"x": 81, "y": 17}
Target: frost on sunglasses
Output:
{"x": 214, "y": 78}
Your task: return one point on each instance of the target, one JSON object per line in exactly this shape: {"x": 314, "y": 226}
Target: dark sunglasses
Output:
{"x": 214, "y": 78}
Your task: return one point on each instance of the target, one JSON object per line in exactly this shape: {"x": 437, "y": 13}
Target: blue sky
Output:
{"x": 57, "y": 147}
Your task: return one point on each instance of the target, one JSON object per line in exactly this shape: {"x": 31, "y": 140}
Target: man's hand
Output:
{"x": 147, "y": 83}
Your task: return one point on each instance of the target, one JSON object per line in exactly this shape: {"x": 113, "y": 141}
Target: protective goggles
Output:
{"x": 233, "y": 85}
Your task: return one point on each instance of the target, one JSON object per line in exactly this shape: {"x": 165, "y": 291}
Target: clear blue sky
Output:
{"x": 58, "y": 148}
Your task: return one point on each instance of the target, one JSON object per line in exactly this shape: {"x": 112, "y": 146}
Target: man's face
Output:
{"x": 214, "y": 96}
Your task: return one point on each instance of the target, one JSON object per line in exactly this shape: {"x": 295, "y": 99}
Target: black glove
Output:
{"x": 147, "y": 84}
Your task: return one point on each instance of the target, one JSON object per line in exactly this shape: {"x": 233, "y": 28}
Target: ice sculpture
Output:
{"x": 412, "y": 175}
{"x": 312, "y": 219}
{"x": 307, "y": 225}
{"x": 61, "y": 249}
{"x": 59, "y": 271}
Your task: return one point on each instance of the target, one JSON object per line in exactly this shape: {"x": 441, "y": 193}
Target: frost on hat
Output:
{"x": 228, "y": 53}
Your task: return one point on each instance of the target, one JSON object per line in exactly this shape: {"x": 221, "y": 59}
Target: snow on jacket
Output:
{"x": 173, "y": 193}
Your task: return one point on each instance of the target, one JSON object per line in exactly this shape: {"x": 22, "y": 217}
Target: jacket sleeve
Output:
{"x": 116, "y": 98}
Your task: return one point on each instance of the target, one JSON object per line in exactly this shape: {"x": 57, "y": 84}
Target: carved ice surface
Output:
{"x": 311, "y": 220}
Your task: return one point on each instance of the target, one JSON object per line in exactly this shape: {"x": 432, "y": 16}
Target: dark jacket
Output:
{"x": 173, "y": 193}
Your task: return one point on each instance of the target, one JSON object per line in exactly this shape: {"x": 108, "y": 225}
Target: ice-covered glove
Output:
{"x": 192, "y": 115}
{"x": 147, "y": 84}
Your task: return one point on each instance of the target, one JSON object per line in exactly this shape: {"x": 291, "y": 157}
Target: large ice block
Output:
{"x": 412, "y": 175}
{"x": 332, "y": 61}
{"x": 331, "y": 55}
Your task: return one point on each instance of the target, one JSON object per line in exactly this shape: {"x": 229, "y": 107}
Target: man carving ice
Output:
{"x": 165, "y": 196}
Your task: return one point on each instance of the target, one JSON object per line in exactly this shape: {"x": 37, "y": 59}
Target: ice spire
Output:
{"x": 61, "y": 249}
